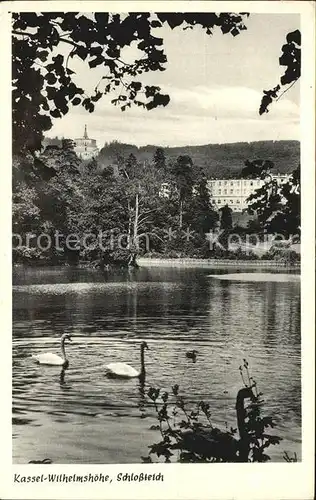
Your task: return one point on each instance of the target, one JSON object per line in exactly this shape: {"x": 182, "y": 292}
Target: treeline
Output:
{"x": 217, "y": 160}
{"x": 109, "y": 214}
{"x": 69, "y": 211}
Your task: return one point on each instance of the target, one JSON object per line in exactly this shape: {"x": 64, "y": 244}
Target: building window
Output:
{"x": 251, "y": 183}
{"x": 219, "y": 202}
{"x": 219, "y": 183}
{"x": 225, "y": 191}
{"x": 225, "y": 182}
{"x": 231, "y": 191}
{"x": 237, "y": 191}
{"x": 219, "y": 191}
{"x": 231, "y": 183}
{"x": 238, "y": 201}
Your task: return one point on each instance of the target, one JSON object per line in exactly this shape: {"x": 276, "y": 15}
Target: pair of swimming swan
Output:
{"x": 115, "y": 370}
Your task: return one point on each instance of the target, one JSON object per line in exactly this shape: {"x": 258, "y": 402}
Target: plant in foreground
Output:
{"x": 287, "y": 457}
{"x": 191, "y": 435}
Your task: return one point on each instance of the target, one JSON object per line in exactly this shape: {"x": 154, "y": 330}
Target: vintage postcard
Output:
{"x": 157, "y": 256}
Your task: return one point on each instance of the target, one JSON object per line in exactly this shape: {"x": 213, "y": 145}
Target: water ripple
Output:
{"x": 101, "y": 420}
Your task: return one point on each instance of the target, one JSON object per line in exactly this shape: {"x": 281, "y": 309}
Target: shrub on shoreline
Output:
{"x": 188, "y": 434}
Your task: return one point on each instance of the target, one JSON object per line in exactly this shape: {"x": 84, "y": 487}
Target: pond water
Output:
{"x": 84, "y": 417}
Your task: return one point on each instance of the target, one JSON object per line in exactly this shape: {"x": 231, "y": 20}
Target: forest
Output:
{"x": 223, "y": 161}
{"x": 83, "y": 211}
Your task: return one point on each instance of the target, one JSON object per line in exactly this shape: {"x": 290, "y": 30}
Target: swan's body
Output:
{"x": 48, "y": 358}
{"x": 51, "y": 359}
{"x": 123, "y": 370}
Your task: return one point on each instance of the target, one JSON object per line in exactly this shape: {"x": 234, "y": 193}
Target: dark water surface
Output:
{"x": 88, "y": 418}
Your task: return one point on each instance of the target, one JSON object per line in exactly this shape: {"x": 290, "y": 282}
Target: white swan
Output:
{"x": 123, "y": 370}
{"x": 48, "y": 358}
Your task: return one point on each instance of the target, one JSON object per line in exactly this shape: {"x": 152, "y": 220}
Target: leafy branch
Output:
{"x": 291, "y": 59}
{"x": 39, "y": 96}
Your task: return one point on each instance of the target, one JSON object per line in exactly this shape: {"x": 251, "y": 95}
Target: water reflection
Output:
{"x": 175, "y": 311}
{"x": 62, "y": 382}
{"x": 142, "y": 398}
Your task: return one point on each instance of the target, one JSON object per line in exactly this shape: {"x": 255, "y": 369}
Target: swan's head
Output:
{"x": 65, "y": 336}
{"x": 144, "y": 345}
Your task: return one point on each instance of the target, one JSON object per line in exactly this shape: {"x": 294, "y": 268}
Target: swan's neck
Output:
{"x": 63, "y": 352}
{"x": 142, "y": 363}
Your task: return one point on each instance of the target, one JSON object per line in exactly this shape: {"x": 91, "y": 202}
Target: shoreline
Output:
{"x": 191, "y": 262}
{"x": 184, "y": 262}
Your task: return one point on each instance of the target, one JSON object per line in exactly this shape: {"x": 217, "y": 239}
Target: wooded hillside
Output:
{"x": 217, "y": 160}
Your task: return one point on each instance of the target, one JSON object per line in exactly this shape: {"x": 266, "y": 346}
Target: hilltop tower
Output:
{"x": 85, "y": 147}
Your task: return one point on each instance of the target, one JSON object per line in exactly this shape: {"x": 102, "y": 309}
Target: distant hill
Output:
{"x": 217, "y": 160}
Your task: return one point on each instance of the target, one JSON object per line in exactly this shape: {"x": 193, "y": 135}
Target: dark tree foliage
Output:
{"x": 182, "y": 173}
{"x": 60, "y": 199}
{"x": 121, "y": 200}
{"x": 131, "y": 166}
{"x": 291, "y": 59}
{"x": 202, "y": 215}
{"x": 44, "y": 84}
{"x": 226, "y": 221}
{"x": 182, "y": 180}
{"x": 282, "y": 252}
{"x": 63, "y": 157}
{"x": 160, "y": 159}
{"x": 45, "y": 198}
{"x": 278, "y": 206}
{"x": 256, "y": 169}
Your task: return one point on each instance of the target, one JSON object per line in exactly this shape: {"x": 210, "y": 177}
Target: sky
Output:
{"x": 215, "y": 86}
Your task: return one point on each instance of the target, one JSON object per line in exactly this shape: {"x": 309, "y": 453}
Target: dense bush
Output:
{"x": 282, "y": 252}
{"x": 187, "y": 434}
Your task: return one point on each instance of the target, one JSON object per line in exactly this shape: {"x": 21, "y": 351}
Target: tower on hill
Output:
{"x": 85, "y": 147}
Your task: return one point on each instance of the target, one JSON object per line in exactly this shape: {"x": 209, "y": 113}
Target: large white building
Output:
{"x": 234, "y": 192}
{"x": 85, "y": 147}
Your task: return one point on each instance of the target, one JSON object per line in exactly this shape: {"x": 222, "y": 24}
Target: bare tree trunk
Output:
{"x": 133, "y": 254}
{"x": 135, "y": 234}
{"x": 129, "y": 230}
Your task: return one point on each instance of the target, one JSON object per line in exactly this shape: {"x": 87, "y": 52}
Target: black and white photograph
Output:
{"x": 157, "y": 241}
